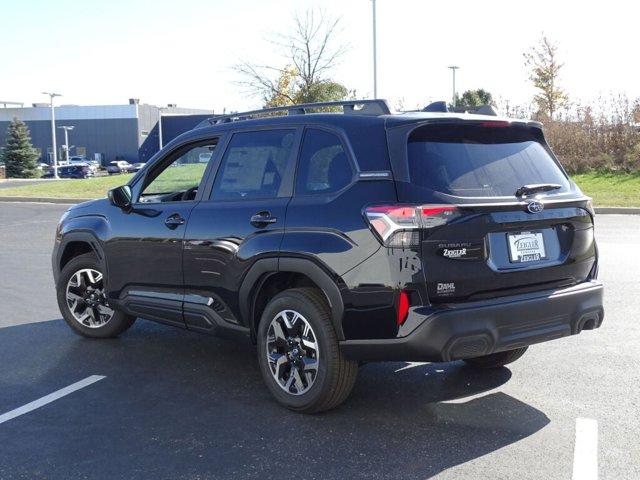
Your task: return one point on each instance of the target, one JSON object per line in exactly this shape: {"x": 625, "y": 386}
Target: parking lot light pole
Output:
{"x": 67, "y": 129}
{"x": 453, "y": 70}
{"x": 53, "y": 132}
{"x": 160, "y": 127}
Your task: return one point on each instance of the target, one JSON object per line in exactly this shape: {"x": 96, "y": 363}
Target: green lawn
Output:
{"x": 607, "y": 189}
{"x": 171, "y": 180}
{"x": 88, "y": 188}
{"x": 611, "y": 189}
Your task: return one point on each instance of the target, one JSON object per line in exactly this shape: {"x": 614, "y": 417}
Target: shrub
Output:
{"x": 604, "y": 136}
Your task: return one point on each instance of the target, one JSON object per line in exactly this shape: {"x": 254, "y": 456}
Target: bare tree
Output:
{"x": 544, "y": 73}
{"x": 309, "y": 54}
{"x": 259, "y": 80}
{"x": 311, "y": 48}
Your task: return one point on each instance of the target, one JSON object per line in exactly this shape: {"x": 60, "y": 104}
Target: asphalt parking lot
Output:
{"x": 175, "y": 404}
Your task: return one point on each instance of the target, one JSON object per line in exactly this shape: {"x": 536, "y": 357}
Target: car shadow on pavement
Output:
{"x": 175, "y": 404}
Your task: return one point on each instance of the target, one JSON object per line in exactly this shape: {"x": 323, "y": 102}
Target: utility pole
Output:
{"x": 53, "y": 132}
{"x": 453, "y": 70}
{"x": 67, "y": 129}
{"x": 375, "y": 53}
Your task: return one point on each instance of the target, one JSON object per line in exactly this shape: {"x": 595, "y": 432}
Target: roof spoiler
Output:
{"x": 442, "y": 106}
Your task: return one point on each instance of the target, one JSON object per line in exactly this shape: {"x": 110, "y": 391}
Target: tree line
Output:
{"x": 583, "y": 137}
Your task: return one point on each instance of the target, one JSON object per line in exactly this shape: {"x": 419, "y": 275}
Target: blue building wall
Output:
{"x": 110, "y": 137}
{"x": 175, "y": 125}
{"x": 132, "y": 139}
{"x": 172, "y": 126}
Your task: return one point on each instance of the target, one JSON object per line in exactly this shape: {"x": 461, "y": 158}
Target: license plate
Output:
{"x": 526, "y": 247}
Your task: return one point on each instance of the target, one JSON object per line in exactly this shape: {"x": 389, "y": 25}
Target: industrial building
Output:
{"x": 103, "y": 132}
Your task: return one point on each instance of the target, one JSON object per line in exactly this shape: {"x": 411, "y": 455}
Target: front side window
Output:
{"x": 254, "y": 165}
{"x": 178, "y": 179}
{"x": 323, "y": 166}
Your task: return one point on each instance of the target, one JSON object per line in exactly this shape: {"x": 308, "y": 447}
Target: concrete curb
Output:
{"x": 44, "y": 200}
{"x": 618, "y": 210}
{"x": 599, "y": 210}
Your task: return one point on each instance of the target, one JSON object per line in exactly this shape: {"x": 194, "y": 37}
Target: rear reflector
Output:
{"x": 398, "y": 226}
{"x": 403, "y": 307}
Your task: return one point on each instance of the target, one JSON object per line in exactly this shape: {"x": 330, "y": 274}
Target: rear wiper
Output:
{"x": 535, "y": 188}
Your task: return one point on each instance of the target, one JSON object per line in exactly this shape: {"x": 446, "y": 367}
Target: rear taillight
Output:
{"x": 398, "y": 226}
{"x": 403, "y": 308}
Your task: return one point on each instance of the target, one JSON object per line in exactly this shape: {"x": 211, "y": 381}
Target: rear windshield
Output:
{"x": 480, "y": 161}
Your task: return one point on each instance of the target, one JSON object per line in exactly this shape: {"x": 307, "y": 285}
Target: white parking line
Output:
{"x": 585, "y": 455}
{"x": 50, "y": 398}
{"x": 410, "y": 365}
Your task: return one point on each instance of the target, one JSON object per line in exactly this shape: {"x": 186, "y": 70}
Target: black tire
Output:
{"x": 496, "y": 360}
{"x": 118, "y": 323}
{"x": 335, "y": 376}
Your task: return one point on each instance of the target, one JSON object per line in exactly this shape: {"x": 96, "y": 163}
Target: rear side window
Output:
{"x": 253, "y": 165}
{"x": 480, "y": 161}
{"x": 323, "y": 166}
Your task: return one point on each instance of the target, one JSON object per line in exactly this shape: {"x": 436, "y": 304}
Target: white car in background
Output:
{"x": 119, "y": 166}
{"x": 136, "y": 167}
{"x": 79, "y": 160}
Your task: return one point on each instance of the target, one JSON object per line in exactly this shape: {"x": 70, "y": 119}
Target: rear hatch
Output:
{"x": 499, "y": 215}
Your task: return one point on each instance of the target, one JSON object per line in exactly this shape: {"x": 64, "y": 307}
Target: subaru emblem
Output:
{"x": 535, "y": 207}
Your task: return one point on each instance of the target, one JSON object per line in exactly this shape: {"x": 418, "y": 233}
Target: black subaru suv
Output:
{"x": 333, "y": 238}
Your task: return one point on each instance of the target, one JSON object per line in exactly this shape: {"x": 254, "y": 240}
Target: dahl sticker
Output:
{"x": 446, "y": 288}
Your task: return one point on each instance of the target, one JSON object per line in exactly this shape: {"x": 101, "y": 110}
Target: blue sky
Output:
{"x": 182, "y": 51}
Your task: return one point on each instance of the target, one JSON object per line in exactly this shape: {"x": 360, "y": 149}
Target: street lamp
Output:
{"x": 160, "y": 109}
{"x": 53, "y": 132}
{"x": 375, "y": 53}
{"x": 67, "y": 129}
{"x": 453, "y": 70}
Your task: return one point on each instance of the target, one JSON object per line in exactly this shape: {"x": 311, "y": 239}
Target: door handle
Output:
{"x": 261, "y": 219}
{"x": 174, "y": 221}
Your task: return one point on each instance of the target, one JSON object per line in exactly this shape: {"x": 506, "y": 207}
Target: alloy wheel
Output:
{"x": 292, "y": 352}
{"x": 86, "y": 299}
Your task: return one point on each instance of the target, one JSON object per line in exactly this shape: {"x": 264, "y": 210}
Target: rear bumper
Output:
{"x": 480, "y": 328}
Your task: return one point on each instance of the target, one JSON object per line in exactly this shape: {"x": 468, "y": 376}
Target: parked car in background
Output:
{"x": 204, "y": 157}
{"x": 79, "y": 170}
{"x": 119, "y": 166}
{"x": 79, "y": 160}
{"x": 136, "y": 167}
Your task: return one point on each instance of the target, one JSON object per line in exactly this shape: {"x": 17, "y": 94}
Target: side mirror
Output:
{"x": 121, "y": 197}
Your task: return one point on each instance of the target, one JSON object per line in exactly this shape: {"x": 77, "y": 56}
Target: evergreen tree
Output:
{"x": 19, "y": 156}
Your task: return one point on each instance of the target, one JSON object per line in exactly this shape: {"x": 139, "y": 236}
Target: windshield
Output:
{"x": 480, "y": 161}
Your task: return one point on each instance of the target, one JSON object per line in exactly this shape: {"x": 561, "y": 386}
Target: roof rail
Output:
{"x": 349, "y": 107}
{"x": 443, "y": 107}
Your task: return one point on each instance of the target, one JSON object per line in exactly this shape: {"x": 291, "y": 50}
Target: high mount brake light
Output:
{"x": 495, "y": 124}
{"x": 398, "y": 226}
